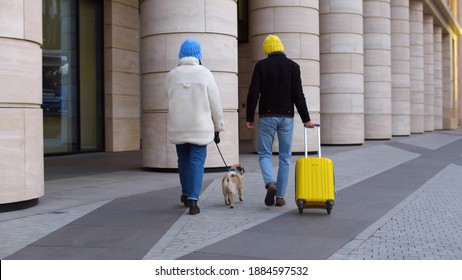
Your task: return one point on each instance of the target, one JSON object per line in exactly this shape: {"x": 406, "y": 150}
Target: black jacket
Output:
{"x": 277, "y": 83}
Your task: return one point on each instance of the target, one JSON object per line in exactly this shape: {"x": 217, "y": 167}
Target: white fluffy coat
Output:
{"x": 195, "y": 109}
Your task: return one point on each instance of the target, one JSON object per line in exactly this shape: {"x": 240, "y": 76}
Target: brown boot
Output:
{"x": 280, "y": 201}
{"x": 193, "y": 208}
{"x": 270, "y": 193}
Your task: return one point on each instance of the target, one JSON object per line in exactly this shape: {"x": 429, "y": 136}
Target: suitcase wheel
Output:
{"x": 330, "y": 205}
{"x": 300, "y": 204}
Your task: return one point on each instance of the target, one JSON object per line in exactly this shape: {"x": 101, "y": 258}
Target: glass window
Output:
{"x": 91, "y": 75}
{"x": 72, "y": 76}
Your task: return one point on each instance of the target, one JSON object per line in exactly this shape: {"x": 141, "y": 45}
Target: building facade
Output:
{"x": 87, "y": 76}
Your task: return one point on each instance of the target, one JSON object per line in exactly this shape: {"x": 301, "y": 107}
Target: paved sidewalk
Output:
{"x": 425, "y": 226}
{"x": 396, "y": 199}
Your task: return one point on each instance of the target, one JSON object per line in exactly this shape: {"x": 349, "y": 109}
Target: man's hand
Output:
{"x": 309, "y": 124}
{"x": 250, "y": 124}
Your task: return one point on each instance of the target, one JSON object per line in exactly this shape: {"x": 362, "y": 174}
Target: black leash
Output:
{"x": 222, "y": 156}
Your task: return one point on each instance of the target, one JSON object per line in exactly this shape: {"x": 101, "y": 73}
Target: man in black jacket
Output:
{"x": 276, "y": 86}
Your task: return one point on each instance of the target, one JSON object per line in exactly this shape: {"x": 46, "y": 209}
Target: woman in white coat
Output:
{"x": 195, "y": 118}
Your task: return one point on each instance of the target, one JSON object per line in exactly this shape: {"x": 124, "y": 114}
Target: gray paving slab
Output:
{"x": 431, "y": 141}
{"x": 426, "y": 225}
{"x": 129, "y": 226}
{"x": 354, "y": 166}
{"x": 16, "y": 234}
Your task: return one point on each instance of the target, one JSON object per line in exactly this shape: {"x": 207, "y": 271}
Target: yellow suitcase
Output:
{"x": 314, "y": 180}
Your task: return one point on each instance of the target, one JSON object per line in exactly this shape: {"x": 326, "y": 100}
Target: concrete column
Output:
{"x": 377, "y": 69}
{"x": 417, "y": 65}
{"x": 429, "y": 72}
{"x": 459, "y": 64}
{"x": 297, "y": 25}
{"x": 164, "y": 27}
{"x": 438, "y": 76}
{"x": 401, "y": 79}
{"x": 21, "y": 118}
{"x": 121, "y": 75}
{"x": 342, "y": 71}
{"x": 449, "y": 99}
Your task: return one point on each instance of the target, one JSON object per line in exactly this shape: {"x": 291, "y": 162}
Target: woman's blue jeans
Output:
{"x": 268, "y": 127}
{"x": 191, "y": 160}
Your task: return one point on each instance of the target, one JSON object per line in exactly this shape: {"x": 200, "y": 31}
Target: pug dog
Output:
{"x": 232, "y": 183}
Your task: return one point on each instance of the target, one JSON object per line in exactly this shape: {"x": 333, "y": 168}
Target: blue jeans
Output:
{"x": 268, "y": 127}
{"x": 191, "y": 160}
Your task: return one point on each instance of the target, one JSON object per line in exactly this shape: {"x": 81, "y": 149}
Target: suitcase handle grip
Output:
{"x": 318, "y": 126}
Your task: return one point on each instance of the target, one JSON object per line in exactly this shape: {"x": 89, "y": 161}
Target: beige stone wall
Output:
{"x": 164, "y": 27}
{"x": 342, "y": 72}
{"x": 121, "y": 75}
{"x": 21, "y": 125}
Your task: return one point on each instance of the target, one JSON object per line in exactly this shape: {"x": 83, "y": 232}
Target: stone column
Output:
{"x": 417, "y": 66}
{"x": 401, "y": 79}
{"x": 121, "y": 76}
{"x": 438, "y": 76}
{"x": 377, "y": 69}
{"x": 164, "y": 27}
{"x": 459, "y": 64}
{"x": 21, "y": 118}
{"x": 342, "y": 71}
{"x": 429, "y": 85}
{"x": 449, "y": 99}
{"x": 297, "y": 25}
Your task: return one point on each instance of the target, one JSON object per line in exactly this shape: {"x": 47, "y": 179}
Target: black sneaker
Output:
{"x": 193, "y": 208}
{"x": 270, "y": 193}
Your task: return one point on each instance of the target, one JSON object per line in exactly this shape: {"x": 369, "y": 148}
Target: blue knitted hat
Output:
{"x": 190, "y": 47}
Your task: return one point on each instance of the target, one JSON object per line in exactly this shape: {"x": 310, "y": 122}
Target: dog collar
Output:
{"x": 236, "y": 171}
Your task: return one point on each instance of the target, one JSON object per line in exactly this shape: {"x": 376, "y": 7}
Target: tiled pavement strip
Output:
{"x": 399, "y": 234}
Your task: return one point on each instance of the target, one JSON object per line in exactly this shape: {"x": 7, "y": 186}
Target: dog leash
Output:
{"x": 221, "y": 156}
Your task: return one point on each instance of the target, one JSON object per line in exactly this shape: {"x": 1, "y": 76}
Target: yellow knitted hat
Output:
{"x": 271, "y": 44}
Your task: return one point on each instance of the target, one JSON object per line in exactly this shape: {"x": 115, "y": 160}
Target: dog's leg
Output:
{"x": 241, "y": 195}
{"x": 226, "y": 199}
{"x": 231, "y": 200}
{"x": 225, "y": 186}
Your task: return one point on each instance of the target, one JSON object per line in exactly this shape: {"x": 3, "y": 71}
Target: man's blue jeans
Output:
{"x": 191, "y": 160}
{"x": 268, "y": 127}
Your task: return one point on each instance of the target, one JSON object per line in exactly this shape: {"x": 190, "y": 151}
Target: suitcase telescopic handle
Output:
{"x": 318, "y": 126}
